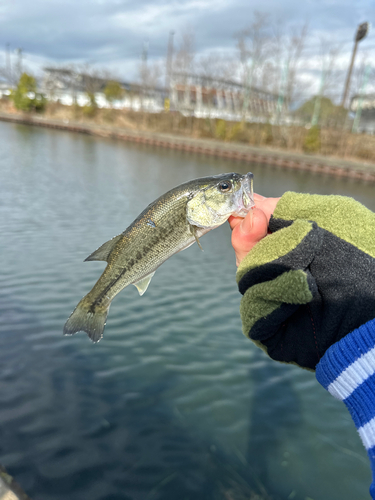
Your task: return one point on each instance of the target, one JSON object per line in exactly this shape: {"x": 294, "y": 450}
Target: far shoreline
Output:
{"x": 318, "y": 164}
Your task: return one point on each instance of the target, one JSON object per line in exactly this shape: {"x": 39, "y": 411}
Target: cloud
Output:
{"x": 111, "y": 32}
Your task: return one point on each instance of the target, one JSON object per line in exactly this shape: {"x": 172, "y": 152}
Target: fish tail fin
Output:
{"x": 88, "y": 318}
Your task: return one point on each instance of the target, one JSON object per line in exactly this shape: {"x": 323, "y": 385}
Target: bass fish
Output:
{"x": 170, "y": 224}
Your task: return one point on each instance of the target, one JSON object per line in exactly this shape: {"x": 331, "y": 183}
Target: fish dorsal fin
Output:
{"x": 102, "y": 253}
{"x": 142, "y": 284}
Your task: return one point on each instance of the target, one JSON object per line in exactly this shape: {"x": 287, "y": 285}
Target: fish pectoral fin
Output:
{"x": 142, "y": 284}
{"x": 102, "y": 253}
{"x": 194, "y": 231}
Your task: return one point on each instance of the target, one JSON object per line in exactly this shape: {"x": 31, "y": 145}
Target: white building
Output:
{"x": 365, "y": 105}
{"x": 69, "y": 87}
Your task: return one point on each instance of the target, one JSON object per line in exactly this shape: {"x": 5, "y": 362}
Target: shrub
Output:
{"x": 330, "y": 115}
{"x": 113, "y": 91}
{"x": 311, "y": 142}
{"x": 90, "y": 109}
{"x": 267, "y": 134}
{"x": 221, "y": 129}
{"x": 25, "y": 96}
{"x": 238, "y": 133}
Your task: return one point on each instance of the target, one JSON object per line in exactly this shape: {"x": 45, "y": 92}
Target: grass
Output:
{"x": 298, "y": 139}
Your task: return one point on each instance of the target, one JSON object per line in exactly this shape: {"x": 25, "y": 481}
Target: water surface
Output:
{"x": 174, "y": 402}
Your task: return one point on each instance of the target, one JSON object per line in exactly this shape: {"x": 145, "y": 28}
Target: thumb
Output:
{"x": 248, "y": 231}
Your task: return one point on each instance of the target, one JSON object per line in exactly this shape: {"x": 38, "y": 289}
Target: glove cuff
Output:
{"x": 347, "y": 371}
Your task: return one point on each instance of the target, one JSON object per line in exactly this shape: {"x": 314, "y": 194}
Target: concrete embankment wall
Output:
{"x": 250, "y": 154}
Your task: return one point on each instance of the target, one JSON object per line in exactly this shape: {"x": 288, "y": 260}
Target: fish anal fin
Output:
{"x": 142, "y": 284}
{"x": 102, "y": 253}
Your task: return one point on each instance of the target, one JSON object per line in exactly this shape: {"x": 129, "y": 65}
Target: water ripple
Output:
{"x": 174, "y": 402}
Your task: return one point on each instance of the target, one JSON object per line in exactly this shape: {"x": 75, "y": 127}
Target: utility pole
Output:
{"x": 361, "y": 33}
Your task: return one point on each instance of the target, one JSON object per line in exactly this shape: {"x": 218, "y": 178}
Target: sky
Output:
{"x": 111, "y": 33}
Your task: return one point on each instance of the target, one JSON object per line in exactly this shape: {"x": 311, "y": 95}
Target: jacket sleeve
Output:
{"x": 347, "y": 371}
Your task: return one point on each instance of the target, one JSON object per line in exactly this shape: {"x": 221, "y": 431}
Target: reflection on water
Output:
{"x": 174, "y": 402}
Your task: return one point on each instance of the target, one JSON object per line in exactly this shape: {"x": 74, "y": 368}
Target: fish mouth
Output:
{"x": 245, "y": 199}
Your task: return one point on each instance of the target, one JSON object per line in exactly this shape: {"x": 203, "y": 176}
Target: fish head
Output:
{"x": 223, "y": 196}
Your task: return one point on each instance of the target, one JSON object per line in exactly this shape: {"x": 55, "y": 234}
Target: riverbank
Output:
{"x": 238, "y": 152}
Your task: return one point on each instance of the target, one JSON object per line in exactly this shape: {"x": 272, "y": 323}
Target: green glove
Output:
{"x": 312, "y": 280}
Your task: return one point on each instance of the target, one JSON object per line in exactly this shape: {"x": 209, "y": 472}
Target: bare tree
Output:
{"x": 295, "y": 43}
{"x": 329, "y": 53}
{"x": 216, "y": 65}
{"x": 93, "y": 80}
{"x": 274, "y": 70}
{"x": 183, "y": 62}
{"x": 359, "y": 74}
{"x": 254, "y": 48}
{"x": 58, "y": 79}
{"x": 3, "y": 72}
{"x": 149, "y": 74}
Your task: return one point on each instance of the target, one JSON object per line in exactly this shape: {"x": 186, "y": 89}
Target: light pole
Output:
{"x": 361, "y": 32}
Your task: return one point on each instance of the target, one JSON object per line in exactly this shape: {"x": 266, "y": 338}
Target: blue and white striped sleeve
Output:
{"x": 347, "y": 371}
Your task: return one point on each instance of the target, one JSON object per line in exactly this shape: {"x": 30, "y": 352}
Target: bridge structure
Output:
{"x": 205, "y": 96}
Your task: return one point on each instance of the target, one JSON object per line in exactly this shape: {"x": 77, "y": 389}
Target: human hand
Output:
{"x": 246, "y": 232}
{"x": 310, "y": 281}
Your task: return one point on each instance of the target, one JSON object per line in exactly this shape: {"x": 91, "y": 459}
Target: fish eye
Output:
{"x": 225, "y": 186}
